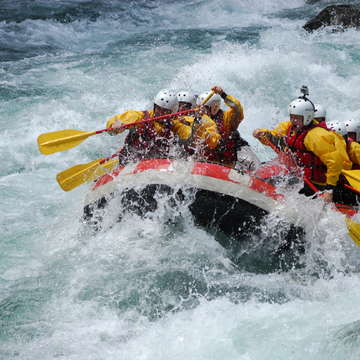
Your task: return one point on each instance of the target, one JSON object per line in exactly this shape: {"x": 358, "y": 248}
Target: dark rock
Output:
{"x": 335, "y": 15}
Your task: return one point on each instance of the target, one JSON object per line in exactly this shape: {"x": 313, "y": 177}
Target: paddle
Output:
{"x": 353, "y": 176}
{"x": 77, "y": 175}
{"x": 62, "y": 140}
{"x": 71, "y": 178}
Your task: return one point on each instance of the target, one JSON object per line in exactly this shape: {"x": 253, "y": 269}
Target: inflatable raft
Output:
{"x": 220, "y": 199}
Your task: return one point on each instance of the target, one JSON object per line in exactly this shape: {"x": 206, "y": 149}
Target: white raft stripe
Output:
{"x": 172, "y": 178}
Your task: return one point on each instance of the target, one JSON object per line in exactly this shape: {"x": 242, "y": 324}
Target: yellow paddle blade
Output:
{"x": 80, "y": 174}
{"x": 77, "y": 175}
{"x": 354, "y": 230}
{"x": 353, "y": 177}
{"x": 61, "y": 140}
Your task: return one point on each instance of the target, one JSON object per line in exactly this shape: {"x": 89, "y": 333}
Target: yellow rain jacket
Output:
{"x": 354, "y": 152}
{"x": 206, "y": 132}
{"x": 227, "y": 123}
{"x": 233, "y": 116}
{"x": 280, "y": 131}
{"x": 328, "y": 146}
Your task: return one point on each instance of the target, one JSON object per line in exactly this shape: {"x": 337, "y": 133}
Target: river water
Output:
{"x": 147, "y": 289}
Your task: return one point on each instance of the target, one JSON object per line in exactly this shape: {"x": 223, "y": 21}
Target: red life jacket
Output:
{"x": 143, "y": 142}
{"x": 225, "y": 152}
{"x": 314, "y": 168}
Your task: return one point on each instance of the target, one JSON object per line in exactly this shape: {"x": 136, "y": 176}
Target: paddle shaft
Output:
{"x": 156, "y": 118}
{"x": 109, "y": 158}
{"x": 306, "y": 180}
{"x": 311, "y": 185}
{"x": 352, "y": 189}
{"x": 278, "y": 151}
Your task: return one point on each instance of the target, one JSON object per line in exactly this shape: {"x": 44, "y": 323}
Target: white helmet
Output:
{"x": 304, "y": 108}
{"x": 320, "y": 111}
{"x": 166, "y": 99}
{"x": 353, "y": 128}
{"x": 204, "y": 95}
{"x": 337, "y": 126}
{"x": 186, "y": 96}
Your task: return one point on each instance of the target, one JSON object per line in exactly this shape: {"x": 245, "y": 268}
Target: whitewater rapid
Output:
{"x": 146, "y": 289}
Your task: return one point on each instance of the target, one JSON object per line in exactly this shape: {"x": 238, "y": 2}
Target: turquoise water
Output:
{"x": 146, "y": 289}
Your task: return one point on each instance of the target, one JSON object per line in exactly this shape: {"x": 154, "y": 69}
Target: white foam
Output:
{"x": 96, "y": 74}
